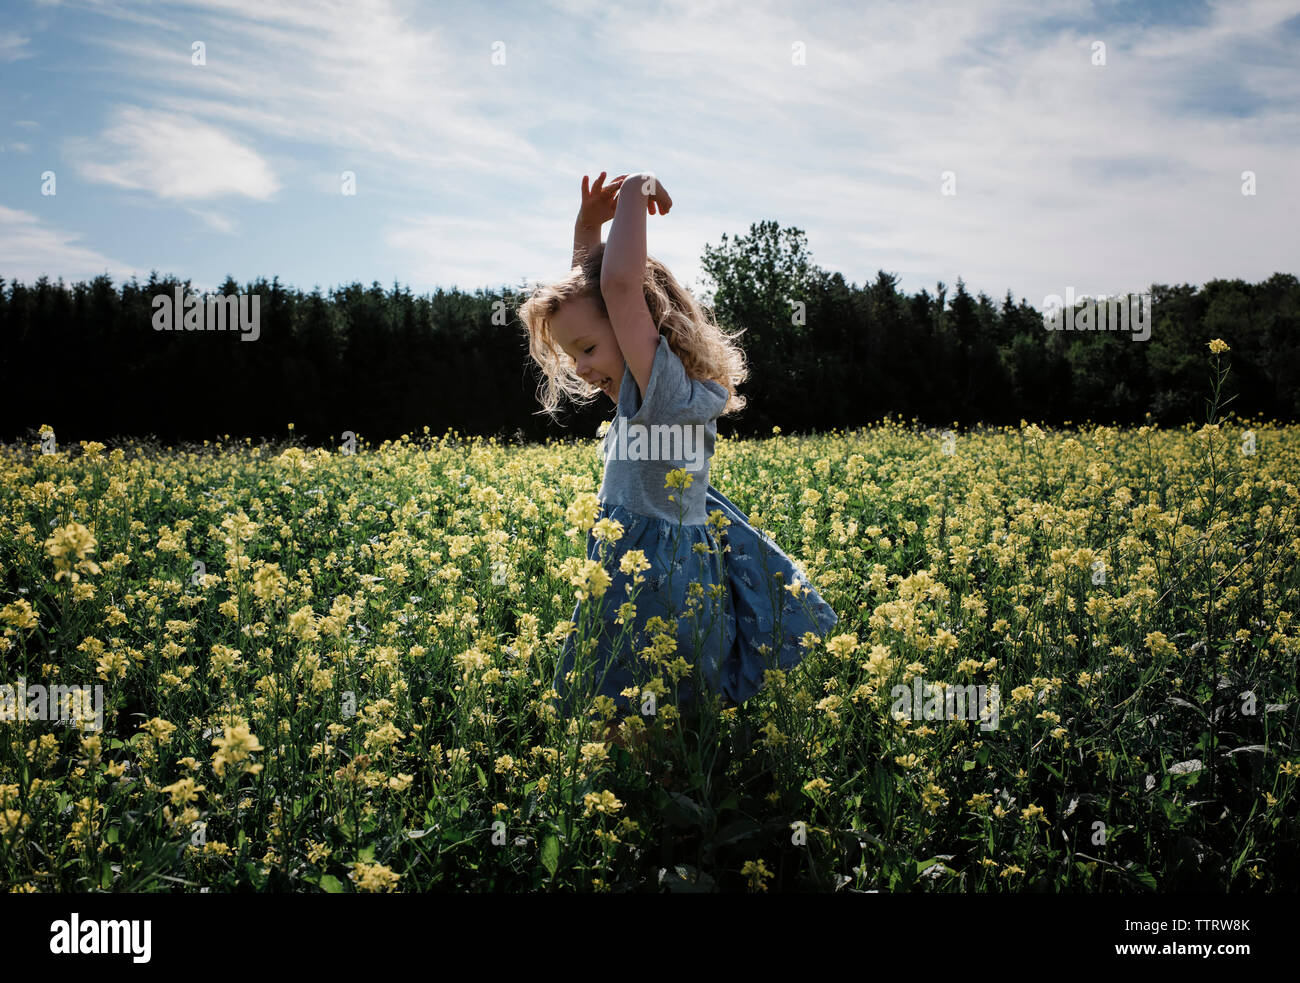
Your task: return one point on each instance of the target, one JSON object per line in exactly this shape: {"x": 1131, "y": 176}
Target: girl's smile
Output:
{"x": 588, "y": 338}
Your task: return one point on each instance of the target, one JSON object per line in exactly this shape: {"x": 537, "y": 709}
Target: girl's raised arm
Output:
{"x": 596, "y": 209}
{"x": 622, "y": 274}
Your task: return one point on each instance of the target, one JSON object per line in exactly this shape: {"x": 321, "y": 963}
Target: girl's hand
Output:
{"x": 654, "y": 192}
{"x": 598, "y": 202}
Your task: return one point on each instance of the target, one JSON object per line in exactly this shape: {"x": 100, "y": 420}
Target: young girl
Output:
{"x": 734, "y": 602}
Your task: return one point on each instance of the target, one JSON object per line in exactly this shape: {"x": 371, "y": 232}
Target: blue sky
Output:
{"x": 1103, "y": 178}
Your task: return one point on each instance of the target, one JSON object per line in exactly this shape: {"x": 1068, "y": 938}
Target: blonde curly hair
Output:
{"x": 706, "y": 351}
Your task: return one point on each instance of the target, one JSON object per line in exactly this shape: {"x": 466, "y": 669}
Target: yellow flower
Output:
{"x": 1159, "y": 644}
{"x": 373, "y": 877}
{"x": 933, "y": 798}
{"x": 20, "y": 615}
{"x": 603, "y": 802}
{"x": 678, "y": 478}
{"x": 268, "y": 583}
{"x": 12, "y": 821}
{"x": 1218, "y": 346}
{"x": 608, "y": 530}
{"x": 235, "y": 748}
{"x": 160, "y": 730}
{"x": 590, "y": 578}
{"x": 717, "y": 521}
{"x": 383, "y": 737}
{"x": 842, "y": 646}
{"x": 581, "y": 515}
{"x": 594, "y": 752}
{"x": 112, "y": 664}
{"x": 68, "y": 546}
{"x": 183, "y": 791}
{"x": 634, "y": 561}
{"x": 1032, "y": 812}
{"x": 756, "y": 872}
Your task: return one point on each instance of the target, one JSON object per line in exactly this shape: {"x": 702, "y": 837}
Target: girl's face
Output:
{"x": 588, "y": 338}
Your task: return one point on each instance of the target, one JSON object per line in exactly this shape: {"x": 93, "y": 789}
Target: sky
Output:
{"x": 1098, "y": 146}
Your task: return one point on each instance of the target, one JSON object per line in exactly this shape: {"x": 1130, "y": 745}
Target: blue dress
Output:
{"x": 747, "y": 623}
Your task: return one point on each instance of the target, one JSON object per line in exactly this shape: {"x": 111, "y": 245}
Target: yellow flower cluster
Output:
{"x": 70, "y": 546}
{"x": 234, "y": 749}
{"x": 374, "y": 878}
{"x": 603, "y": 802}
{"x": 365, "y": 614}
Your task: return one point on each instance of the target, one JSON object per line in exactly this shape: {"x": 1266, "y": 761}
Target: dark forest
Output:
{"x": 87, "y": 360}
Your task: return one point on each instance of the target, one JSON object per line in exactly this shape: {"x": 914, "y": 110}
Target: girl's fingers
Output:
{"x": 588, "y": 191}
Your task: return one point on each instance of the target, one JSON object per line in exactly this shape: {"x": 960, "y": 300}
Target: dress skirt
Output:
{"x": 741, "y": 621}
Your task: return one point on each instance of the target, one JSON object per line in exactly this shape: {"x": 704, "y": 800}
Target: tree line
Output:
{"x": 88, "y": 359}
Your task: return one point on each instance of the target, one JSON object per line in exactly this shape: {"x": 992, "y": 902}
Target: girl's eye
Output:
{"x": 590, "y": 350}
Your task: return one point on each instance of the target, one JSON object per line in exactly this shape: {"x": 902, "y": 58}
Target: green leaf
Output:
{"x": 685, "y": 812}
{"x": 1141, "y": 875}
{"x": 551, "y": 854}
{"x": 367, "y": 854}
{"x": 685, "y": 879}
{"x": 942, "y": 858}
{"x": 331, "y": 884}
{"x": 741, "y": 829}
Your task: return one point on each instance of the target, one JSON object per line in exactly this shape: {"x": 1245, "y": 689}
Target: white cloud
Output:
{"x": 30, "y": 248}
{"x": 476, "y": 251}
{"x": 13, "y": 47}
{"x": 174, "y": 157}
{"x": 214, "y": 220}
{"x": 1104, "y": 177}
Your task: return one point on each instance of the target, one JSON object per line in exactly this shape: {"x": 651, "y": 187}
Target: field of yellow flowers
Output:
{"x": 329, "y": 672}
